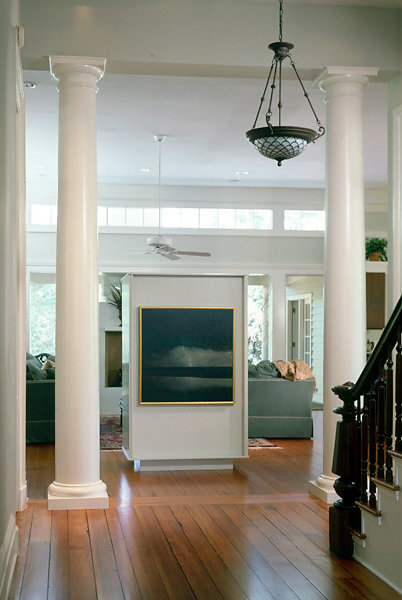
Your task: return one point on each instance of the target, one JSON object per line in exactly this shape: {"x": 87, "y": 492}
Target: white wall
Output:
{"x": 8, "y": 294}
{"x": 182, "y": 432}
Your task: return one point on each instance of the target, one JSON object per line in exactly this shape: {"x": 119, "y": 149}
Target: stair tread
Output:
{"x": 395, "y": 454}
{"x": 359, "y": 534}
{"x": 382, "y": 483}
{"x": 367, "y": 508}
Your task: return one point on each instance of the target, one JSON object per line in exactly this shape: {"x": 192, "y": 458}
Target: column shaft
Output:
{"x": 344, "y": 260}
{"x": 77, "y": 483}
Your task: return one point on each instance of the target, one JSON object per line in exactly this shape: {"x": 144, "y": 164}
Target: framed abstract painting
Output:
{"x": 186, "y": 355}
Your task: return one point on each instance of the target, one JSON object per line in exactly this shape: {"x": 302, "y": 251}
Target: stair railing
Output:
{"x": 369, "y": 433}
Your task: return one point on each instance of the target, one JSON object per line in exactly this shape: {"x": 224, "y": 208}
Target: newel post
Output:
{"x": 344, "y": 514}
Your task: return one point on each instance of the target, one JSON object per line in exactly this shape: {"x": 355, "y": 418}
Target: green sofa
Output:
{"x": 40, "y": 412}
{"x": 39, "y": 400}
{"x": 279, "y": 408}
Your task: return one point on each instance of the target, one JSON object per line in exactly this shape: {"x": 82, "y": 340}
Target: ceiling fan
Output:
{"x": 161, "y": 244}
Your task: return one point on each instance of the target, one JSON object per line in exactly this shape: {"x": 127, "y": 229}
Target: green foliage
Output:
{"x": 42, "y": 318}
{"x": 377, "y": 245}
{"x": 256, "y": 324}
{"x": 115, "y": 297}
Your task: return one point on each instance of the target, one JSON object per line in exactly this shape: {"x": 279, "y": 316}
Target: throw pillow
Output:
{"x": 49, "y": 369}
{"x": 34, "y": 371}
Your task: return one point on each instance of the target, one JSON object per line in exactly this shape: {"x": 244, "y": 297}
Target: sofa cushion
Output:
{"x": 264, "y": 368}
{"x": 33, "y": 368}
{"x": 34, "y": 372}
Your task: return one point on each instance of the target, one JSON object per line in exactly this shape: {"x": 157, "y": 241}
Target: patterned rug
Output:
{"x": 110, "y": 432}
{"x": 261, "y": 443}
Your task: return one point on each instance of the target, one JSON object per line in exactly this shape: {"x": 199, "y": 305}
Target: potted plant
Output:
{"x": 376, "y": 249}
{"x": 115, "y": 299}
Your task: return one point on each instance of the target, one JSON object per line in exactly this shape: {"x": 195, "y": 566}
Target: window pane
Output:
{"x": 102, "y": 212}
{"x": 171, "y": 217}
{"x": 226, "y": 218}
{"x": 209, "y": 218}
{"x": 244, "y": 218}
{"x": 151, "y": 217}
{"x": 263, "y": 219}
{"x": 134, "y": 217}
{"x": 116, "y": 216}
{"x": 42, "y": 318}
{"x": 53, "y": 214}
{"x": 312, "y": 220}
{"x": 190, "y": 218}
{"x": 40, "y": 214}
{"x": 292, "y": 220}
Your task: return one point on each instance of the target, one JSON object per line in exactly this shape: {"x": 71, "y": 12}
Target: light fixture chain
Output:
{"x": 263, "y": 94}
{"x": 321, "y": 128}
{"x": 273, "y": 86}
{"x": 280, "y": 19}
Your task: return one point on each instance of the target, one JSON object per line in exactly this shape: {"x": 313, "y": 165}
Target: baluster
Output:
{"x": 372, "y": 446}
{"x": 364, "y": 448}
{"x": 389, "y": 397}
{"x": 398, "y": 394}
{"x": 380, "y": 385}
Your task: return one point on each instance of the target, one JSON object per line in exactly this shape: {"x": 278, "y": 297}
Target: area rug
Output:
{"x": 110, "y": 432}
{"x": 261, "y": 443}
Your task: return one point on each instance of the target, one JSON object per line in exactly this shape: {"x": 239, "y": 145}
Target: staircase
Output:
{"x": 367, "y": 522}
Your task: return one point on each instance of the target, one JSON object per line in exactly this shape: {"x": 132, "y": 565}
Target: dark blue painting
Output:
{"x": 186, "y": 355}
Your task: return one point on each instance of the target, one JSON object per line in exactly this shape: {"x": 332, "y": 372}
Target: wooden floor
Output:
{"x": 252, "y": 533}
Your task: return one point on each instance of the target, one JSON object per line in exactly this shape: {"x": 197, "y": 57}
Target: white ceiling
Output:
{"x": 205, "y": 120}
{"x": 194, "y": 70}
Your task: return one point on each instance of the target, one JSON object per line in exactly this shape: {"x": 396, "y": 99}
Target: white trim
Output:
{"x": 8, "y": 557}
{"x": 22, "y": 495}
{"x": 378, "y": 573}
{"x": 397, "y": 203}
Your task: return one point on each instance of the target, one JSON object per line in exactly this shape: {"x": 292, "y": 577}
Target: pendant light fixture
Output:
{"x": 281, "y": 142}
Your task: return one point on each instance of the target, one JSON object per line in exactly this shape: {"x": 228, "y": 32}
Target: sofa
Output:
{"x": 40, "y": 386}
{"x": 278, "y": 407}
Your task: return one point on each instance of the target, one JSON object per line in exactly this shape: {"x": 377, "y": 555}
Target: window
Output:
{"x": 171, "y": 217}
{"x": 304, "y": 220}
{"x": 42, "y": 318}
{"x": 257, "y": 307}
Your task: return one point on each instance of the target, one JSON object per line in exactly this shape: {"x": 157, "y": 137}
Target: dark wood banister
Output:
{"x": 388, "y": 339}
{"x": 364, "y": 435}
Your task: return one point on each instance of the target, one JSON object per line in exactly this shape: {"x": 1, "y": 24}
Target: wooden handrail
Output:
{"x": 365, "y": 438}
{"x": 388, "y": 339}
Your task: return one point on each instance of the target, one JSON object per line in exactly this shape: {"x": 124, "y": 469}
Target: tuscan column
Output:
{"x": 344, "y": 254}
{"x": 77, "y": 484}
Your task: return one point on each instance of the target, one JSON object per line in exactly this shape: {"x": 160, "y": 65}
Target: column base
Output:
{"x": 75, "y": 497}
{"x": 323, "y": 489}
{"x": 22, "y": 499}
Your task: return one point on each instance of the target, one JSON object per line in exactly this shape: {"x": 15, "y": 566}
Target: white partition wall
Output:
{"x": 183, "y": 436}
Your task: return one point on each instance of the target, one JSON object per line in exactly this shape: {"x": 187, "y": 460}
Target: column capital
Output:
{"x": 79, "y": 65}
{"x": 356, "y": 77}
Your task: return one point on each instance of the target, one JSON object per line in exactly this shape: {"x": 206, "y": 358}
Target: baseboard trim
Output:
{"x": 185, "y": 465}
{"x": 394, "y": 586}
{"x": 22, "y": 499}
{"x": 8, "y": 557}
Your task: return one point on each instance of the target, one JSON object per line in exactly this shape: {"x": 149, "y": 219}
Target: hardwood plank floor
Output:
{"x": 248, "y": 534}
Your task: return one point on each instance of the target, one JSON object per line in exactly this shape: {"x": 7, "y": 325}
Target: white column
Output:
{"x": 344, "y": 255}
{"x": 77, "y": 483}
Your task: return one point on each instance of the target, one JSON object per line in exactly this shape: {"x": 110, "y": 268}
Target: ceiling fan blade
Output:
{"x": 189, "y": 253}
{"x": 137, "y": 253}
{"x": 169, "y": 255}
